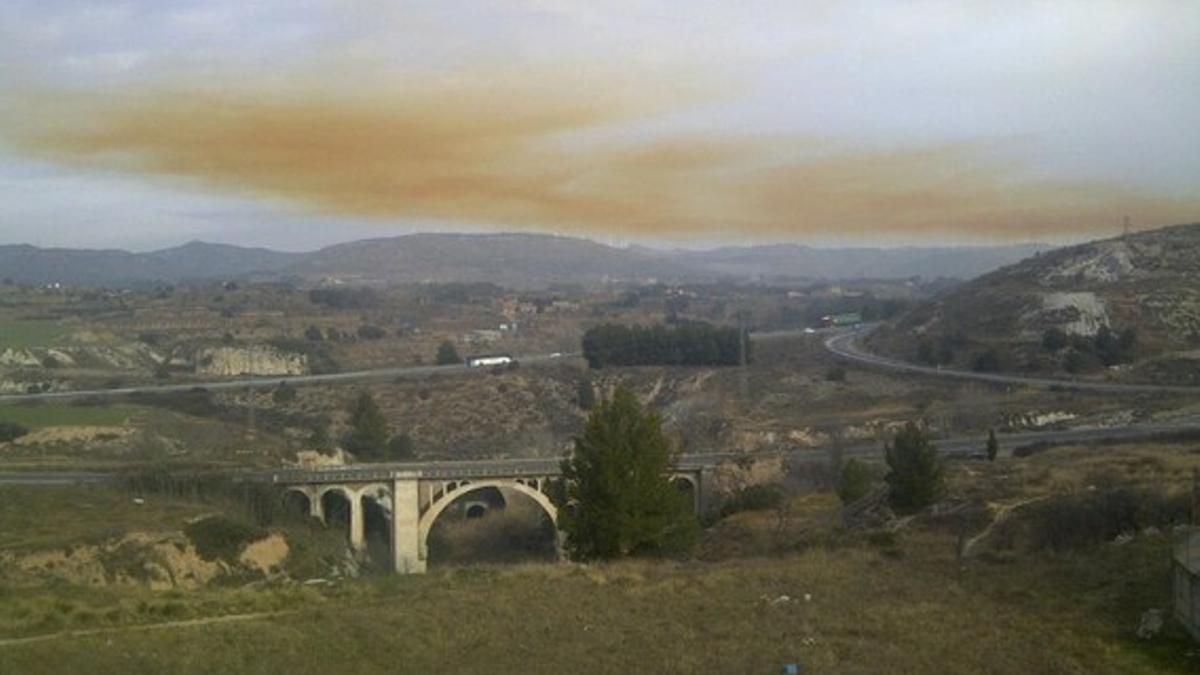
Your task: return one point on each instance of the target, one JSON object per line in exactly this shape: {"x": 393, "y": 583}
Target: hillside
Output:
{"x": 793, "y": 260}
{"x": 504, "y": 259}
{"x": 1129, "y": 306}
{"x": 193, "y": 261}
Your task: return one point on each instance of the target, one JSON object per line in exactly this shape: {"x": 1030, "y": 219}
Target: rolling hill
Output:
{"x": 1128, "y": 306}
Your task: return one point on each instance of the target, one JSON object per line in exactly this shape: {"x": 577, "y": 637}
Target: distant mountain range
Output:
{"x": 518, "y": 260}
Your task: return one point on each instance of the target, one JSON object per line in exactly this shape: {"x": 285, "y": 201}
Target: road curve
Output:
{"x": 844, "y": 346}
{"x": 296, "y": 380}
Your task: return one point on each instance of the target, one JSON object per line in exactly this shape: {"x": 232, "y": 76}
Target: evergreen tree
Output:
{"x": 618, "y": 499}
{"x": 915, "y": 471}
{"x": 318, "y": 438}
{"x": 854, "y": 482}
{"x": 585, "y": 394}
{"x": 993, "y": 446}
{"x": 400, "y": 447}
{"x": 447, "y": 354}
{"x": 369, "y": 430}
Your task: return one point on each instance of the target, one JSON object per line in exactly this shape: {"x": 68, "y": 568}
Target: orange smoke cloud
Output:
{"x": 550, "y": 157}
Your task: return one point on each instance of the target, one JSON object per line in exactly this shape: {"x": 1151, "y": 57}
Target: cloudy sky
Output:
{"x": 298, "y": 123}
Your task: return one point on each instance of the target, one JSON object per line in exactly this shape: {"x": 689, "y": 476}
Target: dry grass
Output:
{"x": 917, "y": 612}
{"x": 899, "y": 604}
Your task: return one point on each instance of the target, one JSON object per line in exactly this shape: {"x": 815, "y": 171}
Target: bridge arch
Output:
{"x": 465, "y": 488}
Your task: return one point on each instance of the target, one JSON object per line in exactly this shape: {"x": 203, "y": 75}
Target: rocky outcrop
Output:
{"x": 1076, "y": 313}
{"x": 255, "y": 360}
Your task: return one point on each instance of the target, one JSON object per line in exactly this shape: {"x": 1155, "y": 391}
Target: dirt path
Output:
{"x": 166, "y": 625}
{"x": 1002, "y": 514}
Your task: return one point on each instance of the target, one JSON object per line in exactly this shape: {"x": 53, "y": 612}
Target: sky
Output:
{"x": 300, "y": 123}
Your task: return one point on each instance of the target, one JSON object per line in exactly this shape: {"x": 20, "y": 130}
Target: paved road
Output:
{"x": 957, "y": 446}
{"x": 845, "y": 346}
{"x": 297, "y": 380}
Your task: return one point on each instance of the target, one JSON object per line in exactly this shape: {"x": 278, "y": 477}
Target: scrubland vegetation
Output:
{"x": 984, "y": 581}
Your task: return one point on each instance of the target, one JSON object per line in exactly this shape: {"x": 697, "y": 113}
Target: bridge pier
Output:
{"x": 357, "y": 525}
{"x": 315, "y": 508}
{"x": 407, "y": 555}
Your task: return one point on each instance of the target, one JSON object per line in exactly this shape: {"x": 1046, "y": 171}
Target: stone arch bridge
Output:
{"x": 414, "y": 495}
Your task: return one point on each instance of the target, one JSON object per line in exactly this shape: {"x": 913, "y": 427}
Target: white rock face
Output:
{"x": 1109, "y": 262}
{"x": 1080, "y": 313}
{"x": 21, "y": 358}
{"x": 257, "y": 360}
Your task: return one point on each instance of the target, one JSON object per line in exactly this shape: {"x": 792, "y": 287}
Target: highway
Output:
{"x": 296, "y": 380}
{"x": 844, "y": 345}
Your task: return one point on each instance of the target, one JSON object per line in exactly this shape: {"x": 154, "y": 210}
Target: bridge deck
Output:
{"x": 507, "y": 468}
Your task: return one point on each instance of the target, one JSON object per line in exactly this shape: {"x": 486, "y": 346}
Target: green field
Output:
{"x": 65, "y": 415}
{"x": 24, "y": 333}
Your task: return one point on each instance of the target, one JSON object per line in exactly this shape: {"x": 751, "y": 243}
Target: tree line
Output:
{"x": 683, "y": 344}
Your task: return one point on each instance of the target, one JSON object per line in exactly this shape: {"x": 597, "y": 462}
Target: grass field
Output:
{"x": 46, "y": 517}
{"x": 65, "y": 415}
{"x": 914, "y": 610}
{"x": 834, "y": 603}
{"x": 22, "y": 333}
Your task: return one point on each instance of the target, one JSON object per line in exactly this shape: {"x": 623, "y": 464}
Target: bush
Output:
{"x": 1066, "y": 522}
{"x": 1054, "y": 339}
{"x": 369, "y": 332}
{"x": 313, "y": 334}
{"x": 400, "y": 447}
{"x": 585, "y": 395}
{"x": 221, "y": 538}
{"x": 988, "y": 361}
{"x": 283, "y": 394}
{"x": 836, "y": 374}
{"x": 10, "y": 431}
{"x": 752, "y": 498}
{"x": 447, "y": 354}
{"x": 855, "y": 481}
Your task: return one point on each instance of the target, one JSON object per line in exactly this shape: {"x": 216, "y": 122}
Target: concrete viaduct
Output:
{"x": 414, "y": 495}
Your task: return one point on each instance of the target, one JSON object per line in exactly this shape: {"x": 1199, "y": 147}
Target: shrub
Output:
{"x": 1054, "y": 339}
{"x": 855, "y": 481}
{"x": 400, "y": 447}
{"x": 1066, "y": 522}
{"x": 836, "y": 374}
{"x": 10, "y": 431}
{"x": 447, "y": 354}
{"x": 989, "y": 361}
{"x": 221, "y": 537}
{"x": 283, "y": 394}
{"x": 752, "y": 498}
{"x": 369, "y": 332}
{"x": 313, "y": 334}
{"x": 585, "y": 395}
